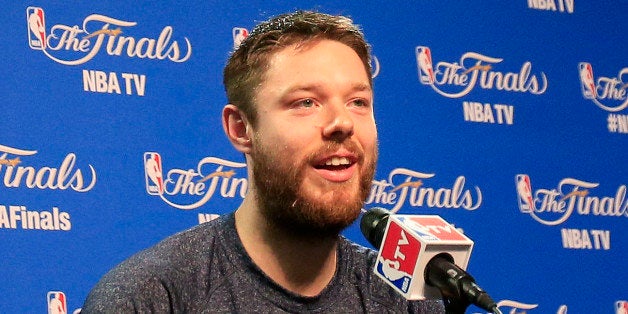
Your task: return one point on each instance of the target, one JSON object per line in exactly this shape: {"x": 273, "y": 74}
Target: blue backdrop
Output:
{"x": 506, "y": 118}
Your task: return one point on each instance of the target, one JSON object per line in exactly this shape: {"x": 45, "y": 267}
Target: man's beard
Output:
{"x": 286, "y": 206}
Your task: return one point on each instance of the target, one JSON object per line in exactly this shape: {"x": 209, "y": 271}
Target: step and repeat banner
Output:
{"x": 507, "y": 118}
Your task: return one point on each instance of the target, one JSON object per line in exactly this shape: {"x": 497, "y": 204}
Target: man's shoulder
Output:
{"x": 182, "y": 247}
{"x": 192, "y": 240}
{"x": 167, "y": 267}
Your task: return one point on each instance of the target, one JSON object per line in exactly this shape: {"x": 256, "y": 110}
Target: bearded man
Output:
{"x": 301, "y": 111}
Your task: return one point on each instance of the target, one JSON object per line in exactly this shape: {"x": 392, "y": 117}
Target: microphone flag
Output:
{"x": 409, "y": 243}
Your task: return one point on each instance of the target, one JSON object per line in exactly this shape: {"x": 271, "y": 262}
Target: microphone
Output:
{"x": 418, "y": 256}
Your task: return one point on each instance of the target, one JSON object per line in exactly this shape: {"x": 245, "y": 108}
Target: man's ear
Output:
{"x": 236, "y": 127}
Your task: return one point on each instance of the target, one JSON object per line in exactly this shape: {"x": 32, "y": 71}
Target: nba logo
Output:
{"x": 621, "y": 307}
{"x": 153, "y": 173}
{"x": 398, "y": 257}
{"x": 418, "y": 228}
{"x": 586, "y": 80}
{"x": 57, "y": 303}
{"x": 433, "y": 228}
{"x": 239, "y": 34}
{"x": 36, "y": 28}
{"x": 424, "y": 62}
{"x": 524, "y": 193}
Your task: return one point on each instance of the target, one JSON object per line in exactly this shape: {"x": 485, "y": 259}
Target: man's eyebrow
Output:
{"x": 302, "y": 87}
{"x": 359, "y": 86}
{"x": 362, "y": 87}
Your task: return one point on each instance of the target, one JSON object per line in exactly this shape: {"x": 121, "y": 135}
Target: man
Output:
{"x": 301, "y": 110}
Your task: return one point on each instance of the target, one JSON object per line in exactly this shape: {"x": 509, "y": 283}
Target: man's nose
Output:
{"x": 339, "y": 123}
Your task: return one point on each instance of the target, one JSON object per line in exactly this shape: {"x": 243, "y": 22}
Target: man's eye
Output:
{"x": 307, "y": 103}
{"x": 360, "y": 103}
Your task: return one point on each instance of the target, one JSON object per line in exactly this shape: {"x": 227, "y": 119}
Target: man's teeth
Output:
{"x": 337, "y": 161}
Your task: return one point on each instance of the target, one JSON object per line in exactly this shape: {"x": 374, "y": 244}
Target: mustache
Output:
{"x": 331, "y": 147}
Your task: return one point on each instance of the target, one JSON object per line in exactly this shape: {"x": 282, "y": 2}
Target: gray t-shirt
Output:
{"x": 206, "y": 270}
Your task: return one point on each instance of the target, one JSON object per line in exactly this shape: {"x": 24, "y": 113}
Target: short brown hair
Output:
{"x": 247, "y": 64}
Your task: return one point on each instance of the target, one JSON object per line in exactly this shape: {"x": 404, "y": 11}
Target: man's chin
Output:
{"x": 334, "y": 216}
{"x": 313, "y": 218}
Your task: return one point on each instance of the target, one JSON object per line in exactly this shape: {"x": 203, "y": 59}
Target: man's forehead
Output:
{"x": 294, "y": 52}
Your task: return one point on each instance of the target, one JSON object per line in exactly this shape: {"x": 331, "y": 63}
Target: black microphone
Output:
{"x": 416, "y": 253}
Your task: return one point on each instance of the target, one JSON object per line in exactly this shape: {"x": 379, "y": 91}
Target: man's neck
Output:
{"x": 302, "y": 265}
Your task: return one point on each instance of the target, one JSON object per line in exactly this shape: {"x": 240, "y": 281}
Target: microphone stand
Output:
{"x": 455, "y": 306}
{"x": 457, "y": 287}
{"x": 459, "y": 306}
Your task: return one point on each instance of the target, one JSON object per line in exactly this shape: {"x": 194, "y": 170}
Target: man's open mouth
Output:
{"x": 335, "y": 163}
